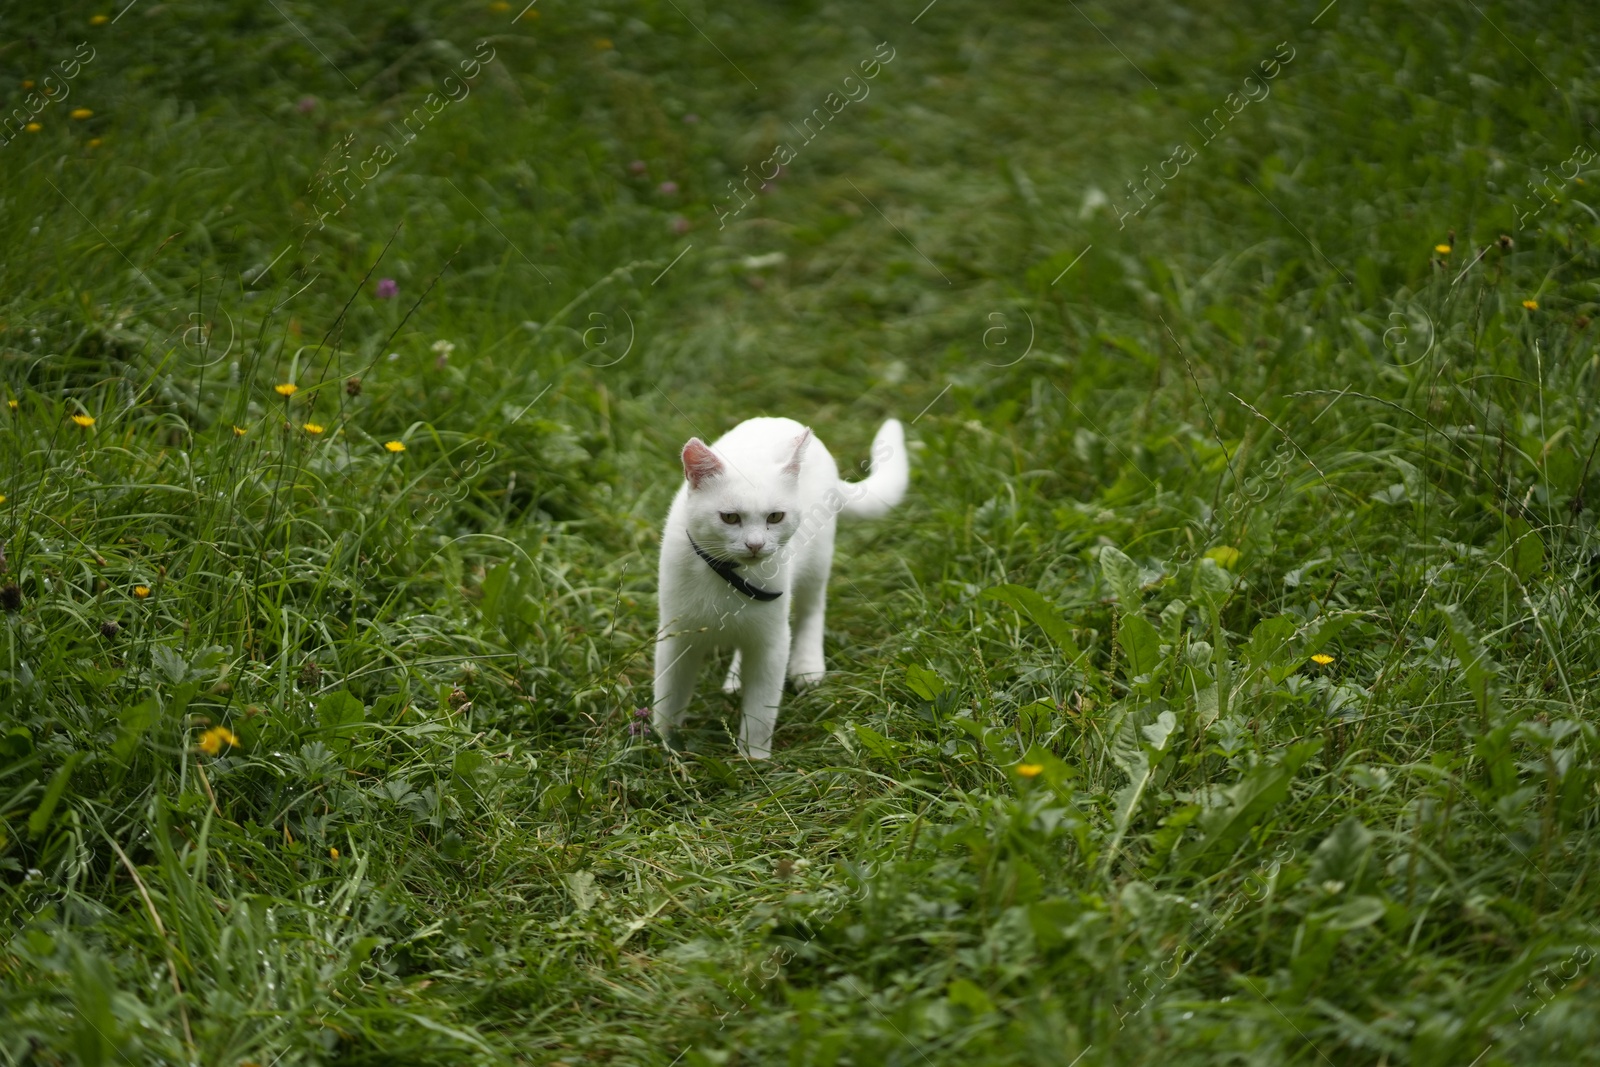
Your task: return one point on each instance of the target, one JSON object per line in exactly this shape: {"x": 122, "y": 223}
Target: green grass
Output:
{"x": 1260, "y": 421}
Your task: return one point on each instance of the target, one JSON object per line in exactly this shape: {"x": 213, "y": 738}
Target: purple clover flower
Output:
{"x": 387, "y": 289}
{"x": 638, "y": 727}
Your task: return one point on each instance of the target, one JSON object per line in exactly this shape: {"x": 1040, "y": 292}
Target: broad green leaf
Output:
{"x": 494, "y": 587}
{"x": 1343, "y": 854}
{"x": 1021, "y": 881}
{"x": 1140, "y": 762}
{"x": 1354, "y": 913}
{"x": 1166, "y": 838}
{"x": 1128, "y": 798}
{"x": 96, "y": 1034}
{"x": 1415, "y": 484}
{"x": 1143, "y": 902}
{"x": 1224, "y": 556}
{"x": 1272, "y": 639}
{"x": 170, "y": 662}
{"x": 1052, "y": 919}
{"x": 1211, "y": 583}
{"x": 1494, "y": 751}
{"x": 963, "y": 993}
{"x": 40, "y": 819}
{"x": 469, "y": 765}
{"x": 177, "y": 669}
{"x": 1034, "y": 719}
{"x": 1324, "y": 630}
{"x": 975, "y": 730}
{"x": 1525, "y": 555}
{"x": 1474, "y": 658}
{"x": 1126, "y": 751}
{"x": 879, "y": 745}
{"x": 1142, "y": 644}
{"x": 340, "y": 708}
{"x": 1224, "y": 683}
{"x": 1122, "y": 574}
{"x": 923, "y": 682}
{"x": 1036, "y": 607}
{"x": 16, "y": 743}
{"x": 1056, "y": 774}
{"x": 580, "y": 885}
{"x": 136, "y": 722}
{"x": 1157, "y": 733}
{"x": 1250, "y": 801}
{"x": 1172, "y": 622}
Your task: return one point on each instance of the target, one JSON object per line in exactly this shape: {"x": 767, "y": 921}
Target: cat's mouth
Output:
{"x": 740, "y": 555}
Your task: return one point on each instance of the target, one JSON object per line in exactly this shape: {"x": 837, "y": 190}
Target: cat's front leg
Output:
{"x": 806, "y": 665}
{"x": 677, "y": 665}
{"x": 761, "y": 678}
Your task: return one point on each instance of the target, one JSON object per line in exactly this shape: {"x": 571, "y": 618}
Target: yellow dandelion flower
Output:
{"x": 333, "y": 853}
{"x": 33, "y": 127}
{"x": 1531, "y": 305}
{"x": 141, "y": 591}
{"x": 13, "y": 404}
{"x": 94, "y": 142}
{"x": 1030, "y": 770}
{"x": 27, "y": 83}
{"x": 603, "y": 44}
{"x": 499, "y": 7}
{"x": 1322, "y": 659}
{"x": 85, "y": 421}
{"x": 238, "y": 431}
{"x": 313, "y": 428}
{"x": 212, "y": 740}
{"x": 80, "y": 113}
{"x": 394, "y": 446}
{"x": 531, "y": 13}
{"x": 99, "y": 20}
{"x": 1443, "y": 250}
{"x": 286, "y": 389}
{"x": 2, "y": 498}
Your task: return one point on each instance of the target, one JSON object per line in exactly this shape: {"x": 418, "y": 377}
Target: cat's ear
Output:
{"x": 793, "y": 466}
{"x": 699, "y": 462}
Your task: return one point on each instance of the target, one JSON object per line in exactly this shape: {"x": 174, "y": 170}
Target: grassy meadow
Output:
{"x": 1224, "y": 692}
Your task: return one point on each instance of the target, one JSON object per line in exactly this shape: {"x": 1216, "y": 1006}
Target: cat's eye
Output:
{"x": 729, "y": 517}
{"x": 775, "y": 517}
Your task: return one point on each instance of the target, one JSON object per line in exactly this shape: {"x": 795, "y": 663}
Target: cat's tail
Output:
{"x": 885, "y": 486}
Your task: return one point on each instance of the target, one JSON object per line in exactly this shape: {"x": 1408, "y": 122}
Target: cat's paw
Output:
{"x": 730, "y": 684}
{"x": 803, "y": 678}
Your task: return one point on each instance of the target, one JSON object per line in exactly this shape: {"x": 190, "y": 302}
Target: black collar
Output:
{"x": 725, "y": 570}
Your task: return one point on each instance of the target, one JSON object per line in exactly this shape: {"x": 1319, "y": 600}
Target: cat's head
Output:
{"x": 744, "y": 511}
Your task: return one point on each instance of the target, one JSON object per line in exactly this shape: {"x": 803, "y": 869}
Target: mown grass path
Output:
{"x": 1224, "y": 691}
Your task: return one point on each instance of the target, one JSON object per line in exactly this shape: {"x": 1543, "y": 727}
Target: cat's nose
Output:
{"x": 755, "y": 547}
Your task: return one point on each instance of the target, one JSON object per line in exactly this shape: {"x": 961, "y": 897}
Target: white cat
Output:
{"x": 747, "y": 547}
